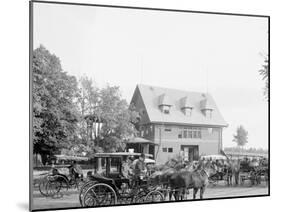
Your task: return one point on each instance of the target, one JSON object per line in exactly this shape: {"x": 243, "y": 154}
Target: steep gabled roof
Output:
{"x": 150, "y": 97}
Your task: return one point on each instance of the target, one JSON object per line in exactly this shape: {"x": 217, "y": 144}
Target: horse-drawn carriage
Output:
{"x": 108, "y": 186}
{"x": 61, "y": 177}
{"x": 254, "y": 170}
{"x": 238, "y": 170}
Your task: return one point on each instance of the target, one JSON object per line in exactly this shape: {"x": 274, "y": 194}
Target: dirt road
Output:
{"x": 70, "y": 199}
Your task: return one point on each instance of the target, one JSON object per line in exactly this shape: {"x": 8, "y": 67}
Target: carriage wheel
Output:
{"x": 53, "y": 187}
{"x": 99, "y": 194}
{"x": 42, "y": 186}
{"x": 140, "y": 197}
{"x": 83, "y": 189}
{"x": 64, "y": 181}
{"x": 154, "y": 196}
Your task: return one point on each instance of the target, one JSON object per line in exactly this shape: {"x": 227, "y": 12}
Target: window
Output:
{"x": 170, "y": 149}
{"x": 165, "y": 109}
{"x": 194, "y": 133}
{"x": 168, "y": 129}
{"x": 164, "y": 149}
{"x": 185, "y": 133}
{"x": 208, "y": 113}
{"x": 187, "y": 111}
{"x": 189, "y": 134}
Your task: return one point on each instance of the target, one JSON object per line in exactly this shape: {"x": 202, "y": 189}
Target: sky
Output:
{"x": 218, "y": 54}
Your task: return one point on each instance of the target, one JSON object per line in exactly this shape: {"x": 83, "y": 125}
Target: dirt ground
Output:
{"x": 70, "y": 198}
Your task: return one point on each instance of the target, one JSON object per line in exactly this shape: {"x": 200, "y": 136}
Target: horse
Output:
{"x": 196, "y": 179}
{"x": 163, "y": 173}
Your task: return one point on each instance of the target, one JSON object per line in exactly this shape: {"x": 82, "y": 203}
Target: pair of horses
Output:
{"x": 179, "y": 178}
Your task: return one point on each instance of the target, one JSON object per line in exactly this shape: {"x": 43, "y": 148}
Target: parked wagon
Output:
{"x": 106, "y": 185}
{"x": 55, "y": 181}
{"x": 254, "y": 171}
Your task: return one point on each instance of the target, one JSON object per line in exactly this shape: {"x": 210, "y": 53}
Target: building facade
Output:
{"x": 178, "y": 123}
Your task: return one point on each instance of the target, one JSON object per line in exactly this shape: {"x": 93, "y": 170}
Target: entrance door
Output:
{"x": 190, "y": 152}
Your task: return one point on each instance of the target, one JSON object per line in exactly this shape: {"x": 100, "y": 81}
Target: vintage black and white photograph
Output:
{"x": 141, "y": 105}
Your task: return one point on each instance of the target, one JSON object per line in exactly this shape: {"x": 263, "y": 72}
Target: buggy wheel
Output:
{"x": 140, "y": 197}
{"x": 63, "y": 180}
{"x": 53, "y": 187}
{"x": 83, "y": 189}
{"x": 99, "y": 194}
{"x": 43, "y": 186}
{"x": 154, "y": 196}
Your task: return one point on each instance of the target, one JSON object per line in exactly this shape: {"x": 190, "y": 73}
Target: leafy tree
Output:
{"x": 106, "y": 120}
{"x": 241, "y": 137}
{"x": 88, "y": 98}
{"x": 118, "y": 119}
{"x": 264, "y": 73}
{"x": 54, "y": 113}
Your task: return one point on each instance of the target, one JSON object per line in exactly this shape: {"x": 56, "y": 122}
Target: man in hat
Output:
{"x": 140, "y": 169}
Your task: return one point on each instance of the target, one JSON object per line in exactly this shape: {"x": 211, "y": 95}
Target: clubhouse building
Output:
{"x": 177, "y": 122}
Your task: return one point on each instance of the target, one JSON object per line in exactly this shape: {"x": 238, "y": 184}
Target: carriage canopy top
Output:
{"x": 215, "y": 157}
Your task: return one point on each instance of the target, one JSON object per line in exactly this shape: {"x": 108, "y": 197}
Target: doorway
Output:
{"x": 190, "y": 152}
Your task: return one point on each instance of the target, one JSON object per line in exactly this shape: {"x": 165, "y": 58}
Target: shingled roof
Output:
{"x": 150, "y": 98}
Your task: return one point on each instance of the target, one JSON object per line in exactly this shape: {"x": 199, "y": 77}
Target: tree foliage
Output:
{"x": 241, "y": 137}
{"x": 264, "y": 73}
{"x": 106, "y": 119}
{"x": 54, "y": 114}
{"x": 88, "y": 98}
{"x": 248, "y": 150}
{"x": 118, "y": 120}
{"x": 75, "y": 117}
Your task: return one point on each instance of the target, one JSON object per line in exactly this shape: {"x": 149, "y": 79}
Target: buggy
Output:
{"x": 54, "y": 182}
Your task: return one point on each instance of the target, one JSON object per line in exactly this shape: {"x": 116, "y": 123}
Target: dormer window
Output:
{"x": 165, "y": 104}
{"x": 186, "y": 106}
{"x": 206, "y": 108}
